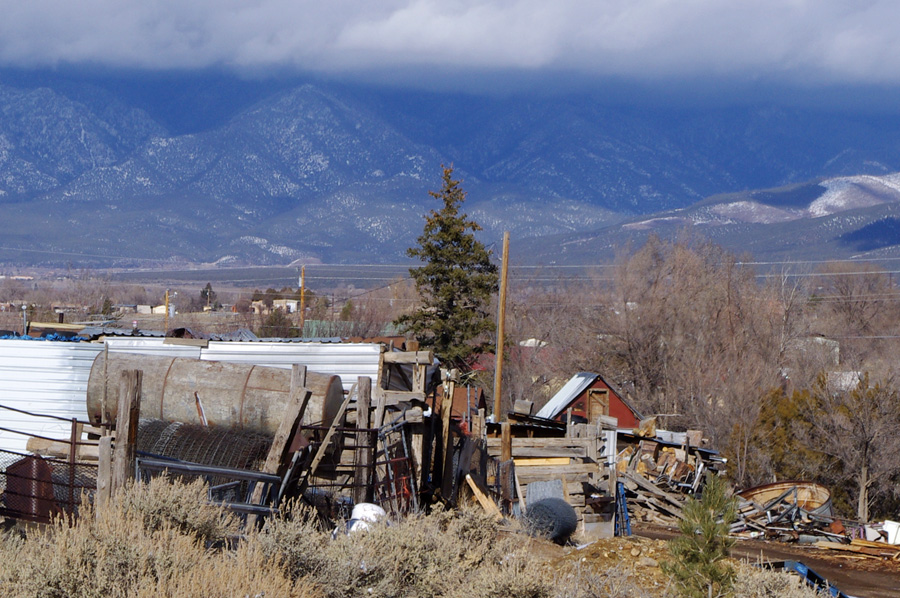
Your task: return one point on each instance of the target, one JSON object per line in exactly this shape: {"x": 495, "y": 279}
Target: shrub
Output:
{"x": 441, "y": 554}
{"x": 164, "y": 502}
{"x": 699, "y": 566}
{"x": 753, "y": 582}
{"x": 138, "y": 547}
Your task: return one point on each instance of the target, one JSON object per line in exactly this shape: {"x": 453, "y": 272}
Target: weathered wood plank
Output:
{"x": 364, "y": 456}
{"x": 525, "y": 478}
{"x": 483, "y": 499}
{"x": 542, "y": 452}
{"x": 129, "y": 413}
{"x": 542, "y": 461}
{"x": 415, "y": 357}
{"x": 550, "y": 471}
{"x": 652, "y": 488}
{"x": 543, "y": 442}
{"x": 104, "y": 474}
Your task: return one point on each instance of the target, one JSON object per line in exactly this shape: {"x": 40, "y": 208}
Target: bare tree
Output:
{"x": 857, "y": 428}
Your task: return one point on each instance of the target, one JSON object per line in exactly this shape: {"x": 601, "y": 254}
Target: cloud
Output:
{"x": 811, "y": 40}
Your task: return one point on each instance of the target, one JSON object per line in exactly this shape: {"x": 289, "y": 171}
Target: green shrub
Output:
{"x": 699, "y": 566}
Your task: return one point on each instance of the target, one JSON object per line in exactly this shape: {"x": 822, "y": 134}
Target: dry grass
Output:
{"x": 160, "y": 540}
{"x": 752, "y": 582}
{"x": 147, "y": 545}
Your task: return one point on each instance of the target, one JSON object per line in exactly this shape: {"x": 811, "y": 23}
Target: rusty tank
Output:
{"x": 238, "y": 396}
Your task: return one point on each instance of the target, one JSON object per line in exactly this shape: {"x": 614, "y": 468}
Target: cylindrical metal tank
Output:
{"x": 809, "y": 496}
{"x": 232, "y": 395}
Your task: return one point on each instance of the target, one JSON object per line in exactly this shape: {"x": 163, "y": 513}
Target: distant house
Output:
{"x": 288, "y": 306}
{"x": 590, "y": 396}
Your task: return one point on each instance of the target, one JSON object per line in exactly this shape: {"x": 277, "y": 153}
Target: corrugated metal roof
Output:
{"x": 151, "y": 346}
{"x": 569, "y": 391}
{"x": 98, "y": 331}
{"x": 42, "y": 377}
{"x": 241, "y": 334}
{"x": 347, "y": 360}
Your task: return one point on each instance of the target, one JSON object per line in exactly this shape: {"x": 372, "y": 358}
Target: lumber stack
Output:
{"x": 572, "y": 460}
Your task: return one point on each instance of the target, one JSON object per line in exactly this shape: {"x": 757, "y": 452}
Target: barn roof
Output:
{"x": 571, "y": 389}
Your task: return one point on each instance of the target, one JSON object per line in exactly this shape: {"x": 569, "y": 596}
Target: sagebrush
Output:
{"x": 161, "y": 539}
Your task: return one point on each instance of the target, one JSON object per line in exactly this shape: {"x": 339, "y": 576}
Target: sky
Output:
{"x": 808, "y": 41}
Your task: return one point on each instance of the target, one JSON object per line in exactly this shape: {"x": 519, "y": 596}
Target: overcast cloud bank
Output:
{"x": 827, "y": 41}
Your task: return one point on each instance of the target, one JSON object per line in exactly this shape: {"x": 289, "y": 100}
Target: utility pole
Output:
{"x": 166, "y": 321}
{"x": 302, "y": 298}
{"x": 501, "y": 322}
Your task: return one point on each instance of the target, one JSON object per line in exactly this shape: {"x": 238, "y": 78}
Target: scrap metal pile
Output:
{"x": 789, "y": 511}
{"x": 661, "y": 470}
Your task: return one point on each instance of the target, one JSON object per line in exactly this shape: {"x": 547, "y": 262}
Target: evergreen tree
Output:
{"x": 455, "y": 283}
{"x": 208, "y": 296}
{"x": 699, "y": 567}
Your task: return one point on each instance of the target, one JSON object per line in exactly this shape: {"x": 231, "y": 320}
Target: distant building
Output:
{"x": 288, "y": 306}
{"x": 589, "y": 397}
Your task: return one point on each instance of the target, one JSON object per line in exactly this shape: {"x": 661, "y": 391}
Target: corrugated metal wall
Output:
{"x": 151, "y": 346}
{"x": 51, "y": 377}
{"x": 42, "y": 377}
{"x": 347, "y": 360}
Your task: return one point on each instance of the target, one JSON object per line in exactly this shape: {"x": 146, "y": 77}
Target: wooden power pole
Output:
{"x": 302, "y": 299}
{"x": 501, "y": 321}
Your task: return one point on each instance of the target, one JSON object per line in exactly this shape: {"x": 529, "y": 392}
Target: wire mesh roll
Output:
{"x": 221, "y": 447}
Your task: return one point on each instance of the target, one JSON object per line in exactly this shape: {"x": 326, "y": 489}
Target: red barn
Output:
{"x": 590, "y": 396}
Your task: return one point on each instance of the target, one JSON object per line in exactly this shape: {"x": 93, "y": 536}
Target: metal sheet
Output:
{"x": 564, "y": 396}
{"x": 151, "y": 346}
{"x": 347, "y": 360}
{"x": 42, "y": 377}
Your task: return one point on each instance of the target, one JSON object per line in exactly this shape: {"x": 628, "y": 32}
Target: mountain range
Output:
{"x": 95, "y": 172}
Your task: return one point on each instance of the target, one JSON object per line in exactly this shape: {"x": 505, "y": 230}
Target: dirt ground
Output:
{"x": 855, "y": 576}
{"x": 639, "y": 556}
{"x": 634, "y": 556}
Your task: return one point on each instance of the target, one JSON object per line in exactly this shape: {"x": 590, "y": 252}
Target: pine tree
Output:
{"x": 699, "y": 568}
{"x": 455, "y": 283}
{"x": 208, "y": 296}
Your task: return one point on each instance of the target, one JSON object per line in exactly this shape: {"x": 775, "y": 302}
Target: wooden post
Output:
{"x": 362, "y": 483}
{"x": 501, "y": 324}
{"x": 276, "y": 460}
{"x": 446, "y": 410}
{"x": 104, "y": 473}
{"x": 505, "y": 442}
{"x": 377, "y": 422}
{"x": 302, "y": 299}
{"x": 104, "y": 410}
{"x": 126, "y": 428}
{"x": 478, "y": 428}
{"x": 287, "y": 428}
{"x": 74, "y": 439}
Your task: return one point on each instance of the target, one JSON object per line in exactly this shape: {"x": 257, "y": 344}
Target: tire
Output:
{"x": 551, "y": 518}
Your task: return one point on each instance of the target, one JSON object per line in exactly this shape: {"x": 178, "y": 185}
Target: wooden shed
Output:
{"x": 590, "y": 396}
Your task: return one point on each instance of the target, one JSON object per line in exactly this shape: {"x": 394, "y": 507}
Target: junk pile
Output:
{"x": 660, "y": 470}
{"x": 790, "y": 511}
{"x": 260, "y": 435}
